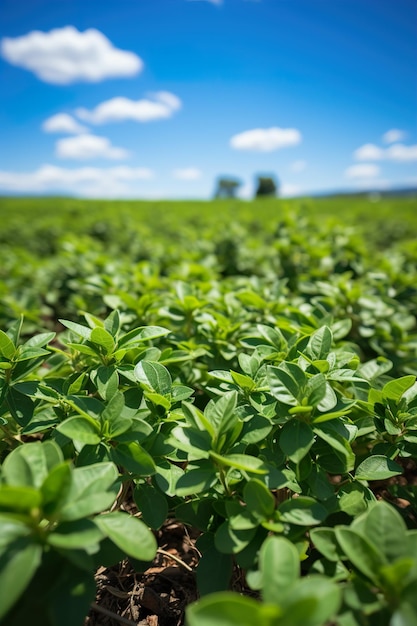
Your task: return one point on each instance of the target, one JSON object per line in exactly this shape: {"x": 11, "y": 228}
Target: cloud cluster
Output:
{"x": 63, "y": 123}
{"x": 266, "y": 139}
{"x": 289, "y": 190}
{"x": 362, "y": 170}
{"x": 188, "y": 173}
{"x": 162, "y": 105}
{"x": 65, "y": 55}
{"x": 396, "y": 152}
{"x": 84, "y": 147}
{"x": 393, "y": 135}
{"x": 87, "y": 181}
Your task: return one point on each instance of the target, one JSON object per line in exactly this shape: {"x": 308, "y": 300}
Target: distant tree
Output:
{"x": 227, "y": 187}
{"x": 266, "y": 186}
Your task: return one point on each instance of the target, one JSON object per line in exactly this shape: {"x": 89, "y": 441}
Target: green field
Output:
{"x": 230, "y": 383}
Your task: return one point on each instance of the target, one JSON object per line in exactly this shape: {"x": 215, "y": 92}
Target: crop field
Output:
{"x": 208, "y": 412}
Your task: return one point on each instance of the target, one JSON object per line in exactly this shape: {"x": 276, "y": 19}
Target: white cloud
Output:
{"x": 393, "y": 135}
{"x": 63, "y": 123}
{"x": 66, "y": 55}
{"x": 397, "y": 152}
{"x": 86, "y": 181}
{"x": 84, "y": 147}
{"x": 287, "y": 190}
{"x": 298, "y": 166}
{"x": 369, "y": 152}
{"x": 188, "y": 173}
{"x": 163, "y": 105}
{"x": 362, "y": 170}
{"x": 266, "y": 139}
{"x": 400, "y": 152}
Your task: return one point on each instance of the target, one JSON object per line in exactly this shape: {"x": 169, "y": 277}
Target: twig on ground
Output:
{"x": 119, "y": 618}
{"x": 175, "y": 558}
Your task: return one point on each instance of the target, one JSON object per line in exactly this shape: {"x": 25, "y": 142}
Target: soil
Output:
{"x": 158, "y": 596}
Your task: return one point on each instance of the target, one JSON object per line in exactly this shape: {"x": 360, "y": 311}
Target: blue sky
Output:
{"x": 156, "y": 98}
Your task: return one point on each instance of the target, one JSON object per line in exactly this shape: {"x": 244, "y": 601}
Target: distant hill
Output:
{"x": 403, "y": 192}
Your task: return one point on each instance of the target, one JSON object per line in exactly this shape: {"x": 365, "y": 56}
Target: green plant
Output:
{"x": 52, "y": 528}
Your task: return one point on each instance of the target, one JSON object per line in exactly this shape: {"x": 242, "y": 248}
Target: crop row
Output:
{"x": 257, "y": 385}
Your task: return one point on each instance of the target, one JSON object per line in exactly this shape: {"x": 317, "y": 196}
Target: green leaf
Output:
{"x": 86, "y": 506}
{"x": 196, "y": 419}
{"x": 242, "y": 520}
{"x": 24, "y": 353}
{"x": 387, "y": 530}
{"x": 313, "y": 601}
{"x": 279, "y": 563}
{"x": 362, "y": 554}
{"x": 134, "y": 458}
{"x": 284, "y": 387}
{"x": 198, "y": 477}
{"x": 129, "y": 534}
{"x": 395, "y": 388}
{"x": 15, "y": 330}
{"x": 80, "y": 428}
{"x": 316, "y": 390}
{"x": 155, "y": 375}
{"x": 102, "y": 338}
{"x": 83, "y": 349}
{"x": 325, "y": 541}
{"x": 19, "y": 498}
{"x": 221, "y": 412}
{"x": 243, "y": 381}
{"x": 112, "y": 323}
{"x": 180, "y": 392}
{"x": 72, "y": 597}
{"x": 18, "y": 564}
{"x": 338, "y": 446}
{"x": 107, "y": 381}
{"x": 144, "y": 333}
{"x": 40, "y": 340}
{"x": 30, "y": 463}
{"x": 196, "y": 513}
{"x": 259, "y": 500}
{"x": 78, "y": 329}
{"x": 76, "y": 383}
{"x": 320, "y": 343}
{"x": 89, "y": 491}
{"x": 196, "y": 443}
{"x": 112, "y": 414}
{"x": 11, "y": 529}
{"x": 152, "y": 504}
{"x": 327, "y": 403}
{"x": 231, "y": 541}
{"x": 21, "y": 406}
{"x": 302, "y": 511}
{"x": 296, "y": 439}
{"x": 227, "y": 609}
{"x": 55, "y": 488}
{"x": 214, "y": 569}
{"x": 243, "y": 462}
{"x": 158, "y": 400}
{"x": 92, "y": 479}
{"x": 80, "y": 534}
{"x": 377, "y": 467}
{"x": 355, "y": 498}
{"x": 7, "y": 348}
{"x": 4, "y": 388}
